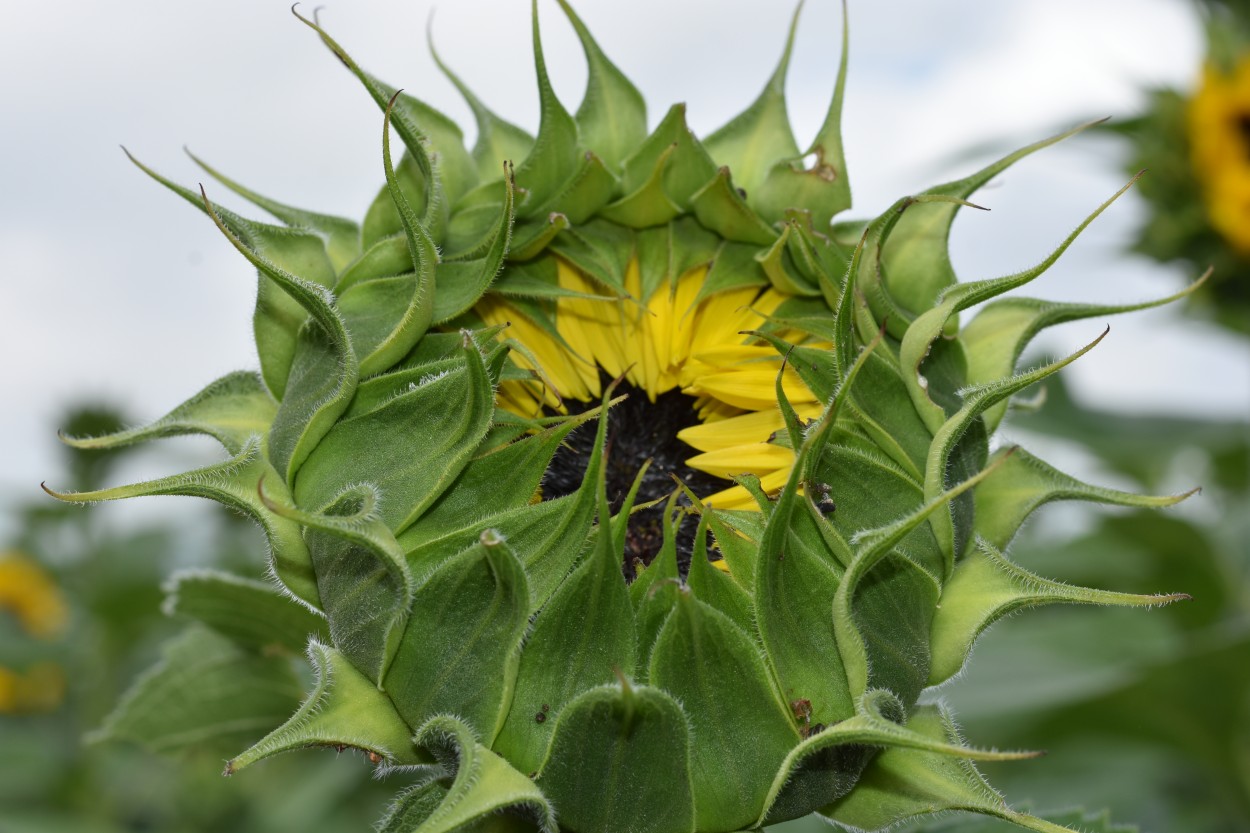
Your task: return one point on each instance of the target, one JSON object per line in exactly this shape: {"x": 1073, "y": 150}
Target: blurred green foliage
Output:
{"x": 53, "y": 779}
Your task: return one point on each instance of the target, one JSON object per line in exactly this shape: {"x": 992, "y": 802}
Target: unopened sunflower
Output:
{"x": 544, "y": 366}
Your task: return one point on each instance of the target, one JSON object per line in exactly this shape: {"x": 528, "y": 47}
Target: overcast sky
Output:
{"x": 116, "y": 289}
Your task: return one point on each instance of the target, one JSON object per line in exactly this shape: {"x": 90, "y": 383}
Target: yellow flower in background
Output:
{"x": 675, "y": 340}
{"x": 31, "y": 596}
{"x": 1219, "y": 134}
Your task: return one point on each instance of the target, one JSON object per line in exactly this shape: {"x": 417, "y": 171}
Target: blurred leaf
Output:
{"x": 206, "y": 694}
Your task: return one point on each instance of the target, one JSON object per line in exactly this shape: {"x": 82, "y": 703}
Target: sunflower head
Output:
{"x": 637, "y": 489}
{"x": 34, "y": 602}
{"x": 1196, "y": 146}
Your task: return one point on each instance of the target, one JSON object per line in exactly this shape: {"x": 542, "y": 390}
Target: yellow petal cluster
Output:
{"x": 672, "y": 340}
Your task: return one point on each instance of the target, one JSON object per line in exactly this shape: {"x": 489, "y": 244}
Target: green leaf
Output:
{"x": 986, "y": 586}
{"x": 538, "y": 280}
{"x": 893, "y": 608}
{"x": 251, "y": 613}
{"x": 483, "y": 787}
{"x": 382, "y": 218}
{"x": 581, "y": 637}
{"x": 387, "y": 257}
{"x": 324, "y": 371}
{"x": 743, "y": 727}
{"x": 344, "y": 709}
{"x": 733, "y": 267}
{"x": 1081, "y": 820}
{"x": 794, "y": 592}
{"x": 588, "y": 190}
{"x": 601, "y": 249}
{"x": 460, "y": 650}
{"x": 206, "y": 693}
{"x": 612, "y": 118}
{"x": 532, "y": 238}
{"x": 231, "y": 410}
{"x": 884, "y": 409}
{"x": 323, "y": 379}
{"x": 760, "y": 136}
{"x": 779, "y": 265}
{"x": 906, "y": 783}
{"x": 341, "y": 236}
{"x": 233, "y": 483}
{"x": 453, "y": 409}
{"x": 619, "y": 762}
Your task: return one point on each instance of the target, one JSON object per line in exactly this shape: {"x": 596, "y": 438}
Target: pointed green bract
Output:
{"x": 482, "y": 787}
{"x": 619, "y": 762}
{"x": 233, "y": 483}
{"x": 344, "y": 709}
{"x": 910, "y": 782}
{"x": 342, "y": 236}
{"x": 580, "y": 639}
{"x": 231, "y": 410}
{"x": 760, "y": 136}
{"x": 986, "y": 587}
{"x": 467, "y": 622}
{"x": 697, "y": 653}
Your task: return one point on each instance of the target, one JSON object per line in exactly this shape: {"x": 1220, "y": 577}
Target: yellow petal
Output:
{"x": 739, "y": 430}
{"x": 754, "y": 458}
{"x": 752, "y": 389}
{"x": 737, "y": 497}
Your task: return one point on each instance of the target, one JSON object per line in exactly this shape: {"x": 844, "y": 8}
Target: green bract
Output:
{"x": 481, "y": 640}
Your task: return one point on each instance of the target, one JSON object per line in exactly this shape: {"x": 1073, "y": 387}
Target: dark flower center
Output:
{"x": 638, "y": 430}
